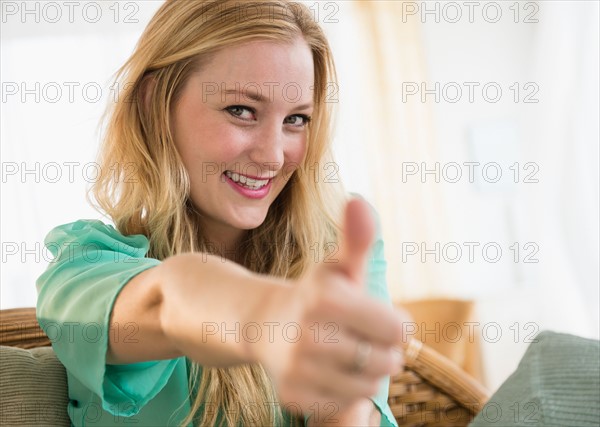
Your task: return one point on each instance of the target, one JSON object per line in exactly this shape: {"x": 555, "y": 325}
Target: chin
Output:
{"x": 249, "y": 221}
{"x": 249, "y": 225}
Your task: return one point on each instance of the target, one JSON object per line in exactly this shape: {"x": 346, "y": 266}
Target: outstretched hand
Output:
{"x": 347, "y": 339}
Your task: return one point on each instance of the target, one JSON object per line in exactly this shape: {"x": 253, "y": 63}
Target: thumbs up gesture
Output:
{"x": 356, "y": 240}
{"x": 347, "y": 338}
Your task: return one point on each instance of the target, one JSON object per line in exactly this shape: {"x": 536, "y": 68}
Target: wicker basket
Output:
{"x": 431, "y": 390}
{"x": 19, "y": 328}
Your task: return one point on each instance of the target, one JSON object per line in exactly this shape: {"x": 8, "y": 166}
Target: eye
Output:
{"x": 298, "y": 120}
{"x": 241, "y": 112}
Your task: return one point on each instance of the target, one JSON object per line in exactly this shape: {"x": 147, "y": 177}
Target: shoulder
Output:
{"x": 93, "y": 232}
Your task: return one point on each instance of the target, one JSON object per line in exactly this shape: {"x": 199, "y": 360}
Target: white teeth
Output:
{"x": 251, "y": 183}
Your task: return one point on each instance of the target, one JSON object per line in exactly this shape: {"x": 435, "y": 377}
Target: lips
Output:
{"x": 252, "y": 188}
{"x": 252, "y": 183}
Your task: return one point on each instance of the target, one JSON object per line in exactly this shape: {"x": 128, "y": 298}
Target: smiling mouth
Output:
{"x": 246, "y": 181}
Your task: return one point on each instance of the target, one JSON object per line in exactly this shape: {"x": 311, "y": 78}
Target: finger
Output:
{"x": 381, "y": 360}
{"x": 365, "y": 316}
{"x": 346, "y": 385}
{"x": 358, "y": 233}
{"x": 302, "y": 399}
{"x": 383, "y": 327}
{"x": 306, "y": 390}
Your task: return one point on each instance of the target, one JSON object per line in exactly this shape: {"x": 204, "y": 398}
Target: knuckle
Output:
{"x": 387, "y": 362}
{"x": 330, "y": 300}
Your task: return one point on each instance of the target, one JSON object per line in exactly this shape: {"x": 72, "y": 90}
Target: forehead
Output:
{"x": 262, "y": 64}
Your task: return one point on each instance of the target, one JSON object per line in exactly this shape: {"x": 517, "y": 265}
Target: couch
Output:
{"x": 431, "y": 390}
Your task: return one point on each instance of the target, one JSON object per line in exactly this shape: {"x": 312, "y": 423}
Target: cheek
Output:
{"x": 295, "y": 154}
{"x": 207, "y": 141}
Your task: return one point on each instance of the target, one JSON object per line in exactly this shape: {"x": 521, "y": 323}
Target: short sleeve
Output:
{"x": 92, "y": 262}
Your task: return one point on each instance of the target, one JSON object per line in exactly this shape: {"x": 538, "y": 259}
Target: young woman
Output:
{"x": 238, "y": 286}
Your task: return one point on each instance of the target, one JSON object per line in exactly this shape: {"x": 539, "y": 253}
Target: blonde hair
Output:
{"x": 144, "y": 187}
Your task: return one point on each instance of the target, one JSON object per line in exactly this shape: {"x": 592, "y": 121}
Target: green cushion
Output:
{"x": 33, "y": 388}
{"x": 557, "y": 383}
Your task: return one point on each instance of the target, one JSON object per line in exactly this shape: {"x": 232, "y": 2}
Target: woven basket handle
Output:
{"x": 444, "y": 374}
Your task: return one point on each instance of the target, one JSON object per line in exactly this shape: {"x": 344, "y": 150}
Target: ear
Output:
{"x": 147, "y": 87}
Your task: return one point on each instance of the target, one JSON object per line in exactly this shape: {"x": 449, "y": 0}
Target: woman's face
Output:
{"x": 240, "y": 126}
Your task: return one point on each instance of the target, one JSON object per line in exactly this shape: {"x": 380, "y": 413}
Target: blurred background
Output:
{"x": 472, "y": 127}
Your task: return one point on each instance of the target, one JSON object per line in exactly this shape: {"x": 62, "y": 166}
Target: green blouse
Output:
{"x": 92, "y": 263}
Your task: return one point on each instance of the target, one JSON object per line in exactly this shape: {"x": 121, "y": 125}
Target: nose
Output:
{"x": 267, "y": 147}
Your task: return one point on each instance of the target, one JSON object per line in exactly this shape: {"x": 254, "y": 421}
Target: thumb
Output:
{"x": 358, "y": 232}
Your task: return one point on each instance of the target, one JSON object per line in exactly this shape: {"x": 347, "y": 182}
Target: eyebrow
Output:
{"x": 258, "y": 97}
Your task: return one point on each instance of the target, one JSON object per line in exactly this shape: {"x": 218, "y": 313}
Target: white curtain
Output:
{"x": 56, "y": 82}
{"x": 378, "y": 133}
{"x": 546, "y": 224}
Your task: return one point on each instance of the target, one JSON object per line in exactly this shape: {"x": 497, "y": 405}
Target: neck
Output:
{"x": 225, "y": 242}
{"x": 222, "y": 239}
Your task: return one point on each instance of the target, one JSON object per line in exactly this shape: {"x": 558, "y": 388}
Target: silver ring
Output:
{"x": 361, "y": 357}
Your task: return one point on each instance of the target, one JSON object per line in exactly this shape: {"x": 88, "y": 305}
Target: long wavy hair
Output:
{"x": 144, "y": 188}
